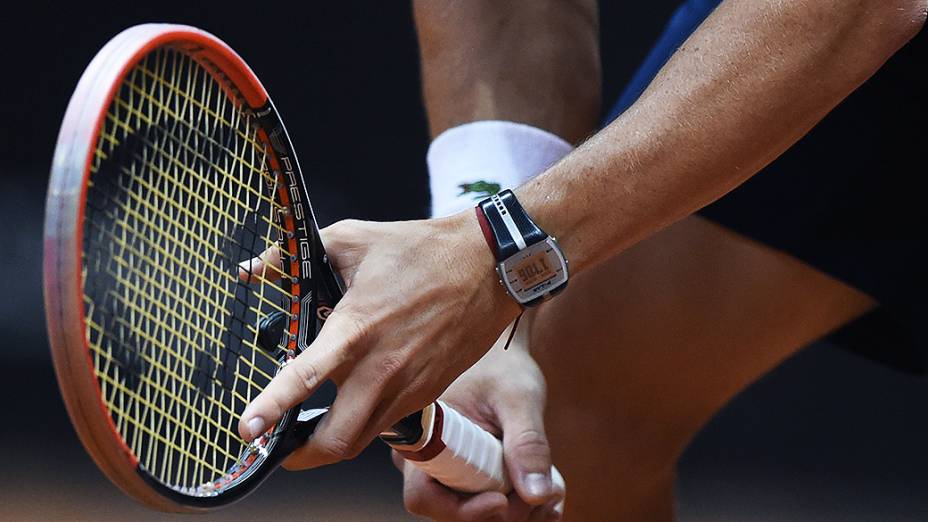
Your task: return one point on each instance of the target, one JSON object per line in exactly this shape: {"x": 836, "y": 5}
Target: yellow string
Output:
{"x": 188, "y": 249}
{"x": 175, "y": 421}
{"x": 155, "y": 363}
{"x": 199, "y": 156}
{"x": 170, "y": 280}
{"x": 200, "y": 178}
{"x": 177, "y": 91}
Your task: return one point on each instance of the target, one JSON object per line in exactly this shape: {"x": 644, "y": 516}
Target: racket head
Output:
{"x": 141, "y": 352}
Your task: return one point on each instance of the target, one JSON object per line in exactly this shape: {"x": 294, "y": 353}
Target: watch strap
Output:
{"x": 506, "y": 226}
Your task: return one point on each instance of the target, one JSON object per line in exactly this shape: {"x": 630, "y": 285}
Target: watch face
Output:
{"x": 534, "y": 271}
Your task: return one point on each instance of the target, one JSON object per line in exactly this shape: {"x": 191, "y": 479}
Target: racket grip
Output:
{"x": 460, "y": 454}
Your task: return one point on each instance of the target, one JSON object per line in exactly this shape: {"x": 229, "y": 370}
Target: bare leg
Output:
{"x": 640, "y": 352}
{"x": 530, "y": 61}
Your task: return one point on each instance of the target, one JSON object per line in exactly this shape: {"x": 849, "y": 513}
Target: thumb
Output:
{"x": 526, "y": 450}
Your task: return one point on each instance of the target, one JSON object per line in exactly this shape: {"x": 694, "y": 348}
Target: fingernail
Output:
{"x": 255, "y": 427}
{"x": 537, "y": 484}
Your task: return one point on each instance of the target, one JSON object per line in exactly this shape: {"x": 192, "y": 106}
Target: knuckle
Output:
{"x": 523, "y": 389}
{"x": 391, "y": 364}
{"x": 350, "y": 223}
{"x": 354, "y": 451}
{"x": 343, "y": 228}
{"x": 306, "y": 374}
{"x": 337, "y": 448}
{"x": 413, "y": 501}
{"x": 361, "y": 329}
{"x": 531, "y": 441}
{"x": 268, "y": 405}
{"x": 354, "y": 324}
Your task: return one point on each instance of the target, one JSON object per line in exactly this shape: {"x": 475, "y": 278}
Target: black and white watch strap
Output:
{"x": 506, "y": 226}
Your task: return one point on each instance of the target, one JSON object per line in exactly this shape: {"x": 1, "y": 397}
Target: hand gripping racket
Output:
{"x": 172, "y": 166}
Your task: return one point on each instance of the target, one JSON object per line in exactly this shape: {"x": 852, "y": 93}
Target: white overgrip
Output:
{"x": 472, "y": 459}
{"x": 465, "y": 457}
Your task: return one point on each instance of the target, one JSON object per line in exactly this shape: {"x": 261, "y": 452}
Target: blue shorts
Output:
{"x": 844, "y": 199}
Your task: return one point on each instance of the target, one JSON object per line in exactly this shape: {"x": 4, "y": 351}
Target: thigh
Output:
{"x": 642, "y": 350}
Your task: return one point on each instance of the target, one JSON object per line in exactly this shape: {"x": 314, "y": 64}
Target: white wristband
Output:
{"x": 472, "y": 161}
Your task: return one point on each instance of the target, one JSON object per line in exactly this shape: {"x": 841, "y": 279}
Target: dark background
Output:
{"x": 827, "y": 436}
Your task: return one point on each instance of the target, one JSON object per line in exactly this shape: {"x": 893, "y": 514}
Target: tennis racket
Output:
{"x": 172, "y": 167}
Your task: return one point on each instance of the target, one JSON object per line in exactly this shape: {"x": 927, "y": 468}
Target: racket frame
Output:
{"x": 458, "y": 453}
{"x": 62, "y": 265}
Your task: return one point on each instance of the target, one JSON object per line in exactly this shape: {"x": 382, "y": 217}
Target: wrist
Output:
{"x": 557, "y": 202}
{"x": 473, "y": 256}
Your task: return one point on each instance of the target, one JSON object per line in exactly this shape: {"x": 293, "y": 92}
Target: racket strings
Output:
{"x": 162, "y": 107}
{"x": 179, "y": 194}
{"x": 168, "y": 234}
{"x": 155, "y": 230}
{"x": 184, "y": 145}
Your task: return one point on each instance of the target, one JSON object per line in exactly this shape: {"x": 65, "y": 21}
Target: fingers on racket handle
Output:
{"x": 468, "y": 458}
{"x": 461, "y": 454}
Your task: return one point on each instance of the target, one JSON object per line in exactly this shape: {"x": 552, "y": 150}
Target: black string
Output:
{"x": 512, "y": 332}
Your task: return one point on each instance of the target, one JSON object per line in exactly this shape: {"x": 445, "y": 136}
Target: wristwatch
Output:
{"x": 530, "y": 264}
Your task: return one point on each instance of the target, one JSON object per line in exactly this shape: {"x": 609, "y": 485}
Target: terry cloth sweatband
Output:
{"x": 470, "y": 162}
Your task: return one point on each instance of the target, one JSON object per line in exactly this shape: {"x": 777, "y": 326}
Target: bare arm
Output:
{"x": 755, "y": 77}
{"x": 529, "y": 61}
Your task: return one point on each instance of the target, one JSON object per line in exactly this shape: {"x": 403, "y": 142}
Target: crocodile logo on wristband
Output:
{"x": 479, "y": 189}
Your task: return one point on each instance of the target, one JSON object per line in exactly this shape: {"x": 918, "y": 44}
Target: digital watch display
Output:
{"x": 530, "y": 264}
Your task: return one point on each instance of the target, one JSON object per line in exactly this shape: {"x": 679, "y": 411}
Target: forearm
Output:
{"x": 533, "y": 62}
{"x": 751, "y": 81}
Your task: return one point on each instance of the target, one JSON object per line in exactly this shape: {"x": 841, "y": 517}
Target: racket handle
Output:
{"x": 455, "y": 451}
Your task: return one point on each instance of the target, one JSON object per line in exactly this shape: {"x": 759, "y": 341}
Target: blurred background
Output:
{"x": 827, "y": 436}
